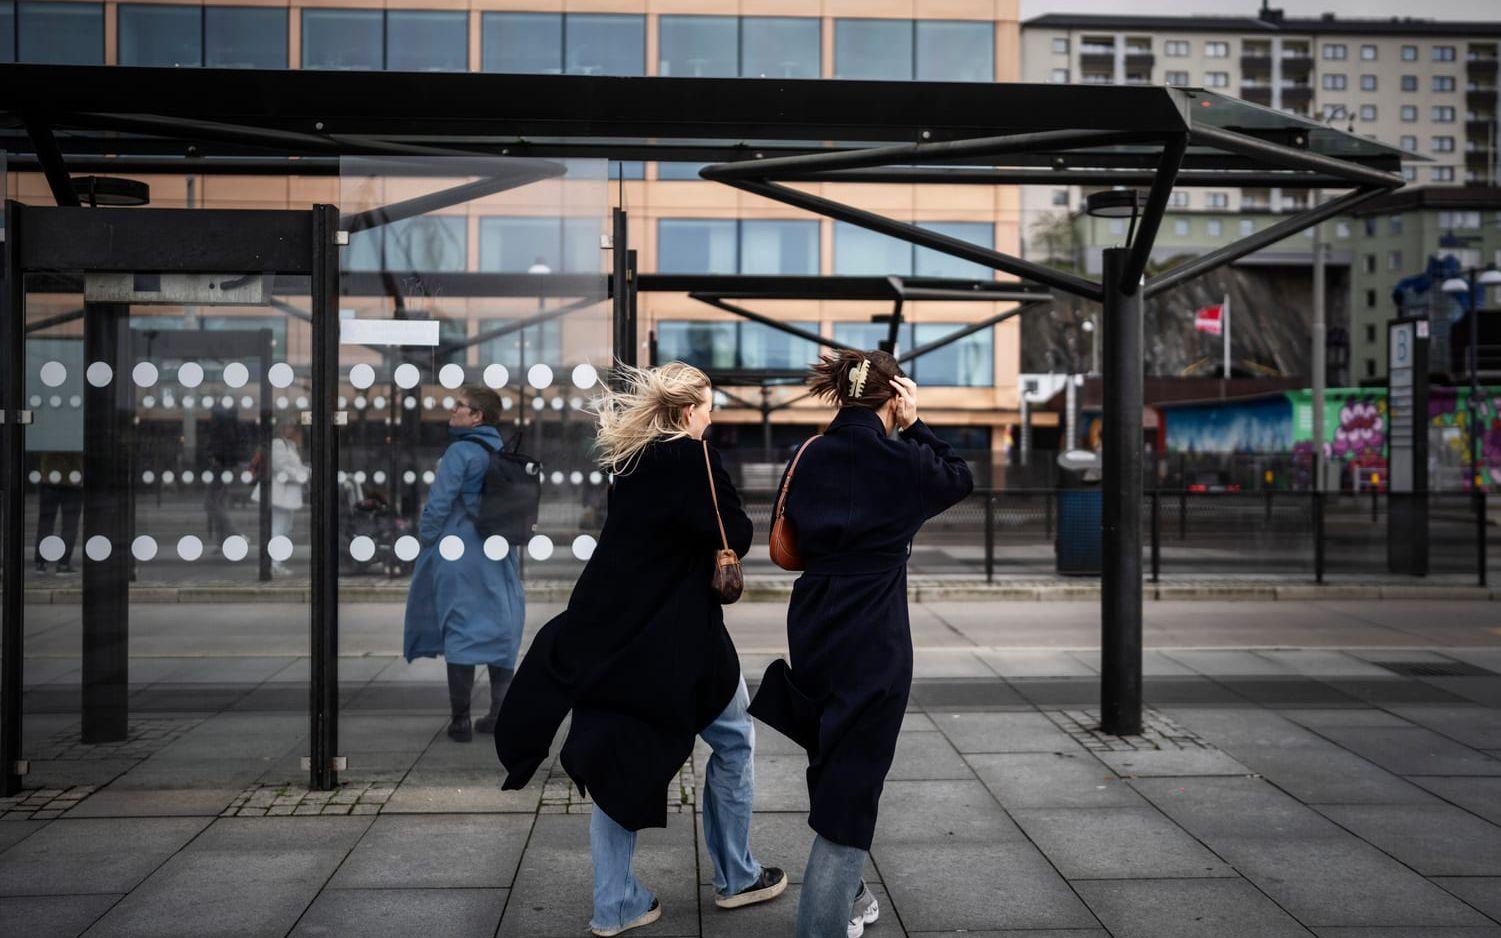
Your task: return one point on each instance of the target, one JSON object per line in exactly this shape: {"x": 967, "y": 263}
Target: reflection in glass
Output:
{"x": 432, "y": 243}
{"x": 7, "y": 31}
{"x": 931, "y": 263}
{"x": 605, "y": 44}
{"x": 873, "y": 49}
{"x": 738, "y": 345}
{"x": 522, "y": 43}
{"x": 696, "y": 246}
{"x": 780, "y": 47}
{"x": 164, "y": 35}
{"x": 779, "y": 247}
{"x": 516, "y": 244}
{"x": 427, "y": 41}
{"x": 244, "y": 37}
{"x": 343, "y": 40}
{"x": 860, "y": 252}
{"x": 955, "y": 50}
{"x": 61, "y": 33}
{"x": 698, "y": 47}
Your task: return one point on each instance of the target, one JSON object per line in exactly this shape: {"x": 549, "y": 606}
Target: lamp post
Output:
{"x": 1463, "y": 288}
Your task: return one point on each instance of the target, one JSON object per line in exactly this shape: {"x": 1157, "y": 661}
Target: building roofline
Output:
{"x": 1395, "y": 26}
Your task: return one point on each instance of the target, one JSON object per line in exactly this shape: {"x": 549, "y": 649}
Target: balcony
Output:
{"x": 1476, "y": 126}
{"x": 1135, "y": 60}
{"x": 1296, "y": 63}
{"x": 1480, "y": 68}
{"x": 1477, "y": 158}
{"x": 1256, "y": 93}
{"x": 1097, "y": 60}
{"x": 1481, "y": 98}
{"x": 1257, "y": 62}
{"x": 1296, "y": 95}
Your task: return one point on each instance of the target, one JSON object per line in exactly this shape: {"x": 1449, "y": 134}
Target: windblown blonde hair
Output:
{"x": 645, "y": 405}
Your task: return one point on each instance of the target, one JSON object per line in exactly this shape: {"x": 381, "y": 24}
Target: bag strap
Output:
{"x": 714, "y": 496}
{"x": 781, "y": 504}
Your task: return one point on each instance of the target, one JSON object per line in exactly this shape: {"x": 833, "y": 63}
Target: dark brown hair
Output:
{"x": 836, "y": 376}
{"x": 486, "y": 401}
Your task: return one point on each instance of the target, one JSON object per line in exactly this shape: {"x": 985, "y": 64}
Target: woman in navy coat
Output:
{"x": 641, "y": 655}
{"x": 856, "y": 500}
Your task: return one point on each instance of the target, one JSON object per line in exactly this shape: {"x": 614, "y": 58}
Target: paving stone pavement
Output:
{"x": 1272, "y": 792}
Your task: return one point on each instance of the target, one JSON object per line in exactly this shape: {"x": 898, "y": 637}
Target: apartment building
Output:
{"x": 679, "y": 223}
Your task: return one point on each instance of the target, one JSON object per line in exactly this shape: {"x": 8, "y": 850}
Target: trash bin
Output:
{"x": 1077, "y": 541}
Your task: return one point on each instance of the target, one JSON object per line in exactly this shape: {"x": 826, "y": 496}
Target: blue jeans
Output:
{"x": 830, "y": 884}
{"x": 729, "y": 785}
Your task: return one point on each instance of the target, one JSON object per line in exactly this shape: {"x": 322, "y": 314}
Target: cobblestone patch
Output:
{"x": 144, "y": 738}
{"x": 560, "y": 796}
{"x": 1157, "y": 732}
{"x": 297, "y": 801}
{"x": 41, "y": 804}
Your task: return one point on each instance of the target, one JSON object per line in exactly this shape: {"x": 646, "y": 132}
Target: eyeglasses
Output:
{"x": 466, "y": 406}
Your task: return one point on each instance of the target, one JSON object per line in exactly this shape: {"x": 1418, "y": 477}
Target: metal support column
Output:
{"x": 620, "y": 290}
{"x": 989, "y": 537}
{"x": 1120, "y": 582}
{"x": 263, "y": 449}
{"x": 12, "y": 474}
{"x": 323, "y": 731}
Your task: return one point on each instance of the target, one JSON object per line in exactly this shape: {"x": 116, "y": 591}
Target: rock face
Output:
{"x": 1271, "y": 319}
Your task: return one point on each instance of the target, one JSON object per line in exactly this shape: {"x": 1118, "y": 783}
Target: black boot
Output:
{"x": 460, "y": 690}
{"x": 500, "y": 682}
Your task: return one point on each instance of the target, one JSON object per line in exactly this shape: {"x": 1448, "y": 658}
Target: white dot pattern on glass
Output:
{"x": 362, "y": 548}
{"x": 359, "y": 402}
{"x": 51, "y": 548}
{"x": 227, "y": 402}
{"x": 53, "y": 374}
{"x": 187, "y": 476}
{"x": 343, "y": 402}
{"x": 55, "y": 400}
{"x": 235, "y": 548}
{"x": 55, "y": 477}
{"x": 99, "y": 374}
{"x": 451, "y": 375}
{"x": 189, "y": 548}
{"x": 557, "y": 403}
{"x": 281, "y": 403}
{"x": 280, "y": 548}
{"x": 407, "y": 376}
{"x": 378, "y": 402}
{"x": 583, "y": 546}
{"x": 539, "y": 547}
{"x": 144, "y": 375}
{"x": 97, "y": 548}
{"x": 226, "y": 477}
{"x": 302, "y": 402}
{"x": 143, "y": 548}
{"x": 343, "y": 477}
{"x": 506, "y": 403}
{"x": 409, "y": 477}
{"x": 247, "y": 477}
{"x": 148, "y": 477}
{"x": 406, "y": 548}
{"x": 75, "y": 402}
{"x": 539, "y": 376}
{"x": 235, "y": 375}
{"x": 496, "y": 376}
{"x": 409, "y": 402}
{"x": 585, "y": 376}
{"x": 281, "y": 375}
{"x": 427, "y": 402}
{"x": 448, "y": 403}
{"x": 576, "y": 403}
{"x": 169, "y": 477}
{"x": 35, "y": 400}
{"x": 362, "y": 376}
{"x": 360, "y": 477}
{"x": 378, "y": 478}
{"x": 190, "y": 374}
{"x": 148, "y": 401}
{"x": 247, "y": 402}
{"x": 497, "y": 547}
{"x": 75, "y": 477}
{"x": 451, "y": 547}
{"x": 557, "y": 477}
{"x": 595, "y": 478}
{"x": 35, "y": 477}
{"x": 428, "y": 477}
{"x": 538, "y": 403}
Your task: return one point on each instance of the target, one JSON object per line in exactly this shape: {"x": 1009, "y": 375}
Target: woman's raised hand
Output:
{"x": 906, "y": 401}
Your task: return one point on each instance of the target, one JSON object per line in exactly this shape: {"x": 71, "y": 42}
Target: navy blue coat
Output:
{"x": 641, "y": 655}
{"x": 857, "y": 500}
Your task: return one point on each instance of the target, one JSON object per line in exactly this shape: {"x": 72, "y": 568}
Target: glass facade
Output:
{"x": 873, "y": 49}
{"x": 779, "y": 247}
{"x": 7, "y": 31}
{"x": 727, "y": 246}
{"x": 955, "y": 50}
{"x": 522, "y": 43}
{"x": 517, "y": 244}
{"x": 343, "y": 40}
{"x": 604, "y": 44}
{"x": 968, "y": 362}
{"x": 860, "y": 252}
{"x": 930, "y": 263}
{"x": 427, "y": 41}
{"x": 244, "y": 37}
{"x": 158, "y": 34}
{"x": 60, "y": 33}
{"x": 727, "y": 345}
{"x": 698, "y": 46}
{"x": 780, "y": 47}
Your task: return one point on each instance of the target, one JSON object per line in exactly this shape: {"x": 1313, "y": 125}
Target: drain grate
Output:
{"x": 1435, "y": 668}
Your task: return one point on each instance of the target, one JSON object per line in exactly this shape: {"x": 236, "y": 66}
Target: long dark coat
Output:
{"x": 641, "y": 655}
{"x": 857, "y": 500}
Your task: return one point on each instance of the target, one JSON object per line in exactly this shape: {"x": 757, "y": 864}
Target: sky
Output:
{"x": 1483, "y": 10}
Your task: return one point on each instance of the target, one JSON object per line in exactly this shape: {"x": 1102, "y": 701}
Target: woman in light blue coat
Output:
{"x": 469, "y": 609}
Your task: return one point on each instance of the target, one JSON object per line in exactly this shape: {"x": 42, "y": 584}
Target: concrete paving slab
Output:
{"x": 1474, "y": 726}
{"x": 1053, "y": 693}
{"x": 1026, "y": 731}
{"x": 965, "y": 694}
{"x": 1187, "y": 908}
{"x": 436, "y": 851}
{"x": 782, "y": 782}
{"x": 1482, "y": 892}
{"x": 1010, "y": 663}
{"x": 1288, "y": 692}
{"x": 1482, "y": 931}
{"x": 1048, "y": 780}
{"x": 13, "y": 832}
{"x": 1317, "y": 718}
{"x": 52, "y": 916}
{"x": 942, "y": 812}
{"x": 1480, "y": 795}
{"x": 1104, "y": 843}
{"x": 926, "y": 756}
{"x": 779, "y": 916}
{"x": 1172, "y": 762}
{"x": 172, "y": 802}
{"x": 1228, "y": 663}
{"x": 1215, "y": 809}
{"x": 1321, "y": 662}
{"x": 929, "y": 663}
{"x": 780, "y": 839}
{"x": 1435, "y": 840}
{"x": 463, "y": 791}
{"x": 951, "y": 887}
{"x": 397, "y": 913}
{"x": 1384, "y": 692}
{"x": 1329, "y": 775}
{"x": 388, "y": 732}
{"x": 1413, "y": 751}
{"x": 90, "y": 855}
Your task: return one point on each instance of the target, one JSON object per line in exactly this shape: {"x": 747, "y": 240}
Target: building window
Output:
{"x": 522, "y": 43}
{"x": 1409, "y": 83}
{"x": 1180, "y": 227}
{"x": 60, "y": 33}
{"x": 1335, "y": 51}
{"x": 1334, "y": 82}
{"x": 1247, "y": 227}
{"x": 873, "y": 49}
{"x": 1217, "y": 200}
{"x": 1368, "y": 83}
{"x": 514, "y": 244}
{"x": 1216, "y": 50}
{"x": 1394, "y": 224}
{"x": 1175, "y": 48}
{"x": 955, "y": 50}
{"x": 680, "y": 171}
{"x": 698, "y": 47}
{"x": 1443, "y": 174}
{"x": 1368, "y": 53}
{"x": 1060, "y": 76}
{"x": 1117, "y": 226}
{"x": 1462, "y": 220}
{"x": 697, "y": 246}
{"x": 1409, "y": 113}
{"x": 860, "y": 252}
{"x": 1060, "y": 45}
{"x": 427, "y": 41}
{"x": 604, "y": 44}
{"x": 1409, "y": 143}
{"x": 1176, "y": 78}
{"x": 163, "y": 35}
{"x": 1393, "y": 260}
{"x": 244, "y": 37}
{"x": 930, "y": 263}
{"x": 427, "y": 243}
{"x": 1443, "y": 82}
{"x": 737, "y": 345}
{"x": 1368, "y": 263}
{"x": 1060, "y": 197}
{"x": 7, "y": 31}
{"x": 1442, "y": 114}
{"x": 1216, "y": 79}
{"x": 1335, "y": 112}
{"x": 1410, "y": 173}
{"x": 1177, "y": 200}
{"x": 781, "y": 47}
{"x": 343, "y": 40}
{"x": 1370, "y": 367}
{"x": 779, "y": 247}
{"x": 1409, "y": 53}
{"x": 1342, "y": 230}
{"x": 969, "y": 362}
{"x": 1442, "y": 144}
{"x": 1213, "y": 227}
{"x": 1368, "y": 112}
{"x": 1370, "y": 302}
{"x": 1369, "y": 227}
{"x": 1443, "y": 53}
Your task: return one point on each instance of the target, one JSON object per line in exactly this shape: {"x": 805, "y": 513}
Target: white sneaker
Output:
{"x": 859, "y": 919}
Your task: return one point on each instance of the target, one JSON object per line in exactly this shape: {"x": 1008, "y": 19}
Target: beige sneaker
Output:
{"x": 772, "y": 883}
{"x": 646, "y": 918}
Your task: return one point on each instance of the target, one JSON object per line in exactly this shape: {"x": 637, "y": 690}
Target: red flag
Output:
{"x": 1210, "y": 319}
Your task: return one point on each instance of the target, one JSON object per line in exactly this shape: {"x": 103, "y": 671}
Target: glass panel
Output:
{"x": 780, "y": 47}
{"x": 7, "y": 31}
{"x": 967, "y": 362}
{"x": 870, "y": 335}
{"x": 703, "y": 344}
{"x": 427, "y": 243}
{"x": 605, "y": 44}
{"x": 696, "y": 246}
{"x": 699, "y": 47}
{"x": 159, "y": 34}
{"x": 627, "y": 169}
{"x": 427, "y": 41}
{"x": 343, "y": 40}
{"x": 858, "y": 251}
{"x": 523, "y": 43}
{"x": 244, "y": 37}
{"x": 515, "y": 245}
{"x": 687, "y": 171}
{"x": 931, "y": 263}
{"x": 761, "y": 346}
{"x": 779, "y": 247}
{"x": 61, "y": 33}
{"x": 955, "y": 50}
{"x": 874, "y": 49}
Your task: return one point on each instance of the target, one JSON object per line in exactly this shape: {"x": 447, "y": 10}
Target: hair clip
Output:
{"x": 857, "y": 378}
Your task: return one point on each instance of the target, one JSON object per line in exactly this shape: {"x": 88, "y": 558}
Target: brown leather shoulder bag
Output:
{"x": 783, "y": 535}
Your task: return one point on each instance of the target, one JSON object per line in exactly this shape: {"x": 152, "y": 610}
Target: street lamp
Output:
{"x": 1465, "y": 287}
{"x": 1117, "y": 203}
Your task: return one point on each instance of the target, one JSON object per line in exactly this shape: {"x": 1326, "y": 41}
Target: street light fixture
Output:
{"x": 1465, "y": 287}
{"x": 1117, "y": 203}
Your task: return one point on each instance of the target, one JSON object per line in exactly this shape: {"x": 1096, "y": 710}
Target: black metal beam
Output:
{"x": 323, "y": 709}
{"x": 970, "y": 329}
{"x": 780, "y": 326}
{"x": 13, "y": 512}
{"x": 1151, "y": 217}
{"x": 504, "y": 174}
{"x": 203, "y": 241}
{"x": 516, "y": 325}
{"x": 1276, "y": 155}
{"x": 760, "y": 287}
{"x": 50, "y": 157}
{"x": 1017, "y": 176}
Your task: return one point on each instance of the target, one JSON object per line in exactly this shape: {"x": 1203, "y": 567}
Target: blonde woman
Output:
{"x": 641, "y": 656}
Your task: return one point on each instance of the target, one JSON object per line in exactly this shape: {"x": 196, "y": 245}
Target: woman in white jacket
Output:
{"x": 288, "y": 475}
